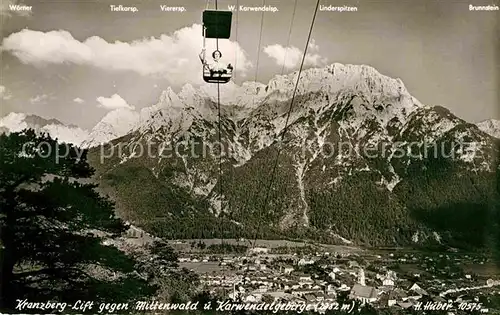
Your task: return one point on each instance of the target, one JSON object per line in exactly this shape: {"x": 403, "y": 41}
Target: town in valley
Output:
{"x": 280, "y": 271}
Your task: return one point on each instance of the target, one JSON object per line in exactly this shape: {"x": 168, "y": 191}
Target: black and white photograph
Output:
{"x": 250, "y": 157}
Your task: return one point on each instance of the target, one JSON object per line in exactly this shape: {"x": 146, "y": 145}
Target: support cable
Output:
{"x": 260, "y": 40}
{"x": 220, "y": 167}
{"x": 268, "y": 190}
{"x": 245, "y": 208}
{"x": 257, "y": 193}
{"x": 284, "y": 129}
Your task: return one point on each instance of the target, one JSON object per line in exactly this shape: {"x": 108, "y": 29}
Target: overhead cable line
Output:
{"x": 236, "y": 41}
{"x": 286, "y": 125}
{"x": 258, "y": 191}
{"x": 245, "y": 207}
{"x": 289, "y": 37}
{"x": 273, "y": 173}
{"x": 260, "y": 40}
{"x": 220, "y": 166}
{"x": 222, "y": 225}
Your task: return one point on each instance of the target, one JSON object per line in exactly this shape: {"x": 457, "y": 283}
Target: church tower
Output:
{"x": 361, "y": 277}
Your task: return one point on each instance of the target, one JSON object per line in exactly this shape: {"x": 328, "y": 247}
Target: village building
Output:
{"x": 303, "y": 262}
{"x": 416, "y": 292}
{"x": 363, "y": 293}
{"x": 259, "y": 250}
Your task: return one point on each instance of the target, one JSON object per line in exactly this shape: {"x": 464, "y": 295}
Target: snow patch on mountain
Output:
{"x": 340, "y": 238}
{"x": 415, "y": 237}
{"x": 249, "y": 94}
{"x": 65, "y": 134}
{"x": 437, "y": 237}
{"x": 206, "y": 187}
{"x": 300, "y": 170}
{"x": 239, "y": 151}
{"x": 217, "y": 206}
{"x": 438, "y": 125}
{"x": 491, "y": 127}
{"x": 394, "y": 180}
{"x": 114, "y": 124}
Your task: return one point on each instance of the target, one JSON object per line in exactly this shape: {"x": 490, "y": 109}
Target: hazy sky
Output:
{"x": 67, "y": 59}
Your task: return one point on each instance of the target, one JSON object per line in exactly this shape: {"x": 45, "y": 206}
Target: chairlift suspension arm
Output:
{"x": 203, "y": 52}
{"x": 216, "y": 40}
{"x": 204, "y": 38}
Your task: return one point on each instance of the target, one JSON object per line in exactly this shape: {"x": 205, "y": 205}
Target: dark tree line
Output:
{"x": 53, "y": 224}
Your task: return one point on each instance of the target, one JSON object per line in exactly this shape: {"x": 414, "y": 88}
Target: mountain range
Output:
{"x": 113, "y": 125}
{"x": 15, "y": 122}
{"x": 358, "y": 159}
{"x": 361, "y": 161}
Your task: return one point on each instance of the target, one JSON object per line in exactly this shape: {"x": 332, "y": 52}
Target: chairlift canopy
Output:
{"x": 217, "y": 23}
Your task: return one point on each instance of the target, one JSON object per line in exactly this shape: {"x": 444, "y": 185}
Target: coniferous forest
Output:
{"x": 53, "y": 226}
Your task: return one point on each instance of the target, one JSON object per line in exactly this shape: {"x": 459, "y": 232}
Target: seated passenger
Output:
{"x": 215, "y": 66}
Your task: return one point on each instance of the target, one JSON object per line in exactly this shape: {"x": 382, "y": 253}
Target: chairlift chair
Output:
{"x": 216, "y": 24}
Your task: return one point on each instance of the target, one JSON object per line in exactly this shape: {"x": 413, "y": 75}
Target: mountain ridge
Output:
{"x": 15, "y": 122}
{"x": 320, "y": 187}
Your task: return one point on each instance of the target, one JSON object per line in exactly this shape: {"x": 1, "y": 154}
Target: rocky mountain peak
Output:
{"x": 169, "y": 98}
